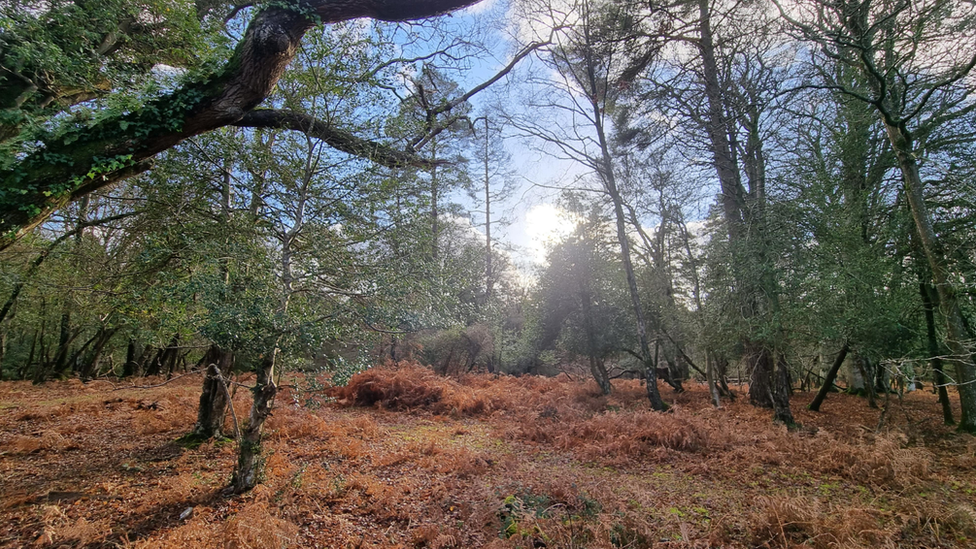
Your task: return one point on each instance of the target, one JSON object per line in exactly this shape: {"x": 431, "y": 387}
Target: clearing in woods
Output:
{"x": 403, "y": 458}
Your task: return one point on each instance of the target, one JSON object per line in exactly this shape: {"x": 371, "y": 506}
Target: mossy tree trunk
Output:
{"x": 250, "y": 458}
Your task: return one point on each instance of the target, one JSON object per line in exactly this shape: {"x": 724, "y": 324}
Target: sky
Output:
{"x": 535, "y": 220}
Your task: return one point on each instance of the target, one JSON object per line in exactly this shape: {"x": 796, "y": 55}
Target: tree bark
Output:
{"x": 597, "y": 367}
{"x": 672, "y": 374}
{"x": 781, "y": 394}
{"x": 867, "y": 375}
{"x": 213, "y": 398}
{"x": 710, "y": 378}
{"x": 957, "y": 332}
{"x": 89, "y": 368}
{"x": 828, "y": 383}
{"x": 434, "y": 200}
{"x": 131, "y": 361}
{"x": 250, "y": 458}
{"x": 760, "y": 375}
{"x": 769, "y": 382}
{"x": 489, "y": 282}
{"x": 929, "y": 299}
{"x": 30, "y": 360}
{"x": 65, "y": 338}
{"x": 63, "y": 358}
{"x": 152, "y": 369}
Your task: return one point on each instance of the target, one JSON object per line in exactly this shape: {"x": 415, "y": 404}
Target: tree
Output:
{"x": 53, "y": 168}
{"x": 498, "y": 184}
{"x": 714, "y": 83}
{"x": 914, "y": 58}
{"x": 579, "y": 297}
{"x": 442, "y": 137}
{"x": 585, "y": 63}
{"x": 844, "y": 264}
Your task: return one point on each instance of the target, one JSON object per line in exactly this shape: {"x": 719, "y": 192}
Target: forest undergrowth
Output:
{"x": 404, "y": 458}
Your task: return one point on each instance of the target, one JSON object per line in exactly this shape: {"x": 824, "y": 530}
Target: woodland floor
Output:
{"x": 402, "y": 458}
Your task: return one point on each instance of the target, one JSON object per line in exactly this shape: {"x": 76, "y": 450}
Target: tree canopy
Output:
{"x": 52, "y": 157}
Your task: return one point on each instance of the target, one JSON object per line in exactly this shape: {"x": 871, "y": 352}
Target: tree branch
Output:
{"x": 35, "y": 265}
{"x": 447, "y": 106}
{"x": 65, "y": 165}
{"x": 332, "y": 136}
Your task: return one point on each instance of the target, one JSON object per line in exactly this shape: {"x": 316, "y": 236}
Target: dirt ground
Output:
{"x": 403, "y": 458}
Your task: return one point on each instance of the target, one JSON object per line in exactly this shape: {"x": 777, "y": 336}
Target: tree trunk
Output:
{"x": 957, "y": 333}
{"x": 131, "y": 360}
{"x": 250, "y": 459}
{"x": 717, "y": 129}
{"x": 940, "y": 385}
{"x": 722, "y": 368}
{"x": 30, "y": 359}
{"x": 653, "y": 394}
{"x": 769, "y": 383}
{"x": 143, "y": 360}
{"x": 710, "y": 377}
{"x": 64, "y": 339}
{"x": 63, "y": 357}
{"x": 828, "y": 383}
{"x": 153, "y": 368}
{"x": 929, "y": 299}
{"x": 89, "y": 368}
{"x": 434, "y": 198}
{"x": 3, "y": 348}
{"x": 488, "y": 274}
{"x": 760, "y": 375}
{"x": 781, "y": 393}
{"x": 867, "y": 375}
{"x": 597, "y": 367}
{"x": 600, "y": 374}
{"x": 213, "y": 398}
{"x": 672, "y": 373}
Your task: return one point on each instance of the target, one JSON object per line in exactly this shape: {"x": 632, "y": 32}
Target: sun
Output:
{"x": 545, "y": 225}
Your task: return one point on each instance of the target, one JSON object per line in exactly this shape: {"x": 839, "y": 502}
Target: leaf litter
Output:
{"x": 403, "y": 458}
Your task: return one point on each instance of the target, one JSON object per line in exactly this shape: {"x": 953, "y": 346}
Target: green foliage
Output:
{"x": 516, "y": 506}
{"x": 582, "y": 306}
{"x": 341, "y": 370}
{"x": 67, "y": 53}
